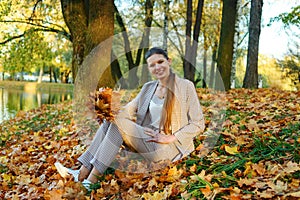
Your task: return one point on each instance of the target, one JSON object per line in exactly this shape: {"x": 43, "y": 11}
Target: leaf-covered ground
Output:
{"x": 256, "y": 157}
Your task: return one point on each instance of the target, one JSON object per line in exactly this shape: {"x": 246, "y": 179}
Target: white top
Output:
{"x": 155, "y": 109}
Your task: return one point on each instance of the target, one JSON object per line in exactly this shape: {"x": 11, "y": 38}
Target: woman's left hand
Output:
{"x": 160, "y": 137}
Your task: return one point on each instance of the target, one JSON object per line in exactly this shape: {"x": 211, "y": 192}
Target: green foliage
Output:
{"x": 290, "y": 66}
{"x": 5, "y": 7}
{"x": 289, "y": 18}
{"x": 33, "y": 35}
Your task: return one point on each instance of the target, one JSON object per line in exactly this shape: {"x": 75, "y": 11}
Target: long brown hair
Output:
{"x": 166, "y": 117}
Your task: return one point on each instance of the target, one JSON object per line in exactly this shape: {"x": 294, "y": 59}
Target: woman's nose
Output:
{"x": 157, "y": 66}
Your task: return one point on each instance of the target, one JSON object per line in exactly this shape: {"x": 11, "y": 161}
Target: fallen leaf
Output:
{"x": 232, "y": 150}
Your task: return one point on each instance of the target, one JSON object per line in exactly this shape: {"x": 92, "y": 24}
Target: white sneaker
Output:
{"x": 64, "y": 171}
{"x": 87, "y": 184}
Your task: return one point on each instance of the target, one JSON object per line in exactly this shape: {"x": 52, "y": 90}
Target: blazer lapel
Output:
{"x": 145, "y": 101}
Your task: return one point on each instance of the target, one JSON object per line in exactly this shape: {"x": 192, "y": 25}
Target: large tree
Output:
{"x": 91, "y": 22}
{"x": 225, "y": 52}
{"x": 251, "y": 77}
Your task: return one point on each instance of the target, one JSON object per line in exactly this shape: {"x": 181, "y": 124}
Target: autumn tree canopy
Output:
{"x": 67, "y": 29}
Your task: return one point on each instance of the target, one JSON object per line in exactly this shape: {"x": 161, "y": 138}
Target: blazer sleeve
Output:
{"x": 130, "y": 109}
{"x": 196, "y": 123}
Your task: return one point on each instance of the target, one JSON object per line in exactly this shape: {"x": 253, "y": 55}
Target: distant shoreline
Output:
{"x": 34, "y": 86}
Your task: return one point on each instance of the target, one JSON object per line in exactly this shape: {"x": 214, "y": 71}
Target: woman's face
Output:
{"x": 159, "y": 66}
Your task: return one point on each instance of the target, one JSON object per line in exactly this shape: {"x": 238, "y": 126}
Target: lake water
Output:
{"x": 12, "y": 100}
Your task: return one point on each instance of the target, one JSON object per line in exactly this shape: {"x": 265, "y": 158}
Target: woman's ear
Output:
{"x": 170, "y": 61}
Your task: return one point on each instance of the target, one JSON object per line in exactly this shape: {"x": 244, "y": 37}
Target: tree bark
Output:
{"x": 90, "y": 22}
{"x": 75, "y": 18}
{"x": 188, "y": 33}
{"x": 192, "y": 46}
{"x": 166, "y": 24}
{"x": 225, "y": 53}
{"x": 204, "y": 85}
{"x": 145, "y": 40}
{"x": 235, "y": 45}
{"x": 251, "y": 77}
{"x": 213, "y": 65}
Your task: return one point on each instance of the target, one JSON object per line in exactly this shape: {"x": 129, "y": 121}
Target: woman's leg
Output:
{"x": 93, "y": 176}
{"x": 87, "y": 156}
{"x": 134, "y": 136}
{"x": 83, "y": 173}
{"x": 107, "y": 143}
{"x": 107, "y": 149}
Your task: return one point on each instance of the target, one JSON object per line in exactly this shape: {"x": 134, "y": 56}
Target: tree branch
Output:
{"x": 34, "y": 24}
{"x": 68, "y": 36}
{"x": 34, "y": 8}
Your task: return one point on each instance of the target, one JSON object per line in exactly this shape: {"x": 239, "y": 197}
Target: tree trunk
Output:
{"x": 191, "y": 46}
{"x": 76, "y": 20}
{"x": 41, "y": 74}
{"x": 90, "y": 22}
{"x": 145, "y": 40}
{"x": 251, "y": 77}
{"x": 225, "y": 53}
{"x": 50, "y": 73}
{"x": 213, "y": 66}
{"x": 204, "y": 69}
{"x": 188, "y": 33}
{"x": 100, "y": 29}
{"x": 166, "y": 24}
{"x": 116, "y": 71}
{"x": 235, "y": 45}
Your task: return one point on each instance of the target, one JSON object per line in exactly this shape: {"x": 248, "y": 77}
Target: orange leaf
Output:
{"x": 259, "y": 168}
{"x": 246, "y": 182}
{"x": 55, "y": 194}
{"x": 206, "y": 191}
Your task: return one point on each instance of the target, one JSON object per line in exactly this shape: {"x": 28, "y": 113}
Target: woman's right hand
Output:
{"x": 158, "y": 137}
{"x": 150, "y": 131}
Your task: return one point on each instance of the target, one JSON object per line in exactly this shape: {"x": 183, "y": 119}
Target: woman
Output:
{"x": 159, "y": 124}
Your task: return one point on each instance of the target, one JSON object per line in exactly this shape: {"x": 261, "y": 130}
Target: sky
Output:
{"x": 273, "y": 39}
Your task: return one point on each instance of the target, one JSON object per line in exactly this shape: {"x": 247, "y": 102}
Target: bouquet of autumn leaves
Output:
{"x": 105, "y": 103}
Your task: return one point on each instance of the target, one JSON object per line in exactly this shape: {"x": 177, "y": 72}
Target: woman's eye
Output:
{"x": 160, "y": 61}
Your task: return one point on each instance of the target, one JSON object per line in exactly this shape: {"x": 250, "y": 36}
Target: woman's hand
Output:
{"x": 159, "y": 137}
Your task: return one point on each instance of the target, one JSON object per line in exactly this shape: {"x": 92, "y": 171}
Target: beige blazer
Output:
{"x": 187, "y": 116}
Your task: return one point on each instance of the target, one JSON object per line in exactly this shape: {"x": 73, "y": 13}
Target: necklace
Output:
{"x": 160, "y": 91}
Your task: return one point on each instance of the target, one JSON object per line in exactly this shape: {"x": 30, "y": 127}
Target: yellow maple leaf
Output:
{"x": 7, "y": 177}
{"x": 248, "y": 168}
{"x": 156, "y": 195}
{"x": 173, "y": 172}
{"x": 232, "y": 150}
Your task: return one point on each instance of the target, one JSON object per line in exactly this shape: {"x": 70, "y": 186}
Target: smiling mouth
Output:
{"x": 160, "y": 72}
